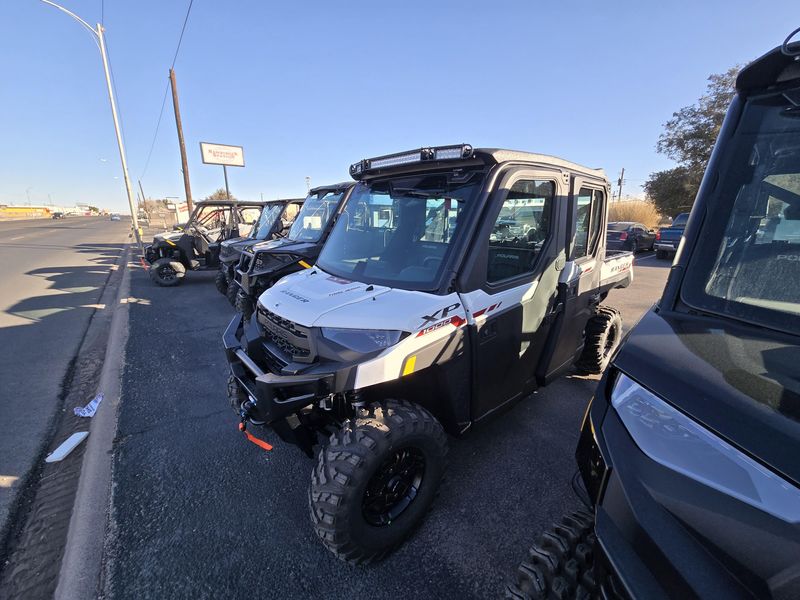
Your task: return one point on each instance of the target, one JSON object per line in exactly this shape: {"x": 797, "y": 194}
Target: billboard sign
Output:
{"x": 221, "y": 154}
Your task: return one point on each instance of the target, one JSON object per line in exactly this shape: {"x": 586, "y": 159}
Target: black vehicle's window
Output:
{"x": 520, "y": 229}
{"x": 589, "y": 218}
{"x": 399, "y": 232}
{"x": 317, "y": 211}
{"x": 618, "y": 226}
{"x": 265, "y": 222}
{"x": 747, "y": 262}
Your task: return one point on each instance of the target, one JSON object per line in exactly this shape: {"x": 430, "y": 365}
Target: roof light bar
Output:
{"x": 406, "y": 158}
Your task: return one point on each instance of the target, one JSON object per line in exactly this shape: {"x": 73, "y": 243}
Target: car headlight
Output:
{"x": 268, "y": 260}
{"x": 362, "y": 340}
{"x": 677, "y": 442}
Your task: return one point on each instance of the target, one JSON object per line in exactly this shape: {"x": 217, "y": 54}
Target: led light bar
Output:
{"x": 406, "y": 158}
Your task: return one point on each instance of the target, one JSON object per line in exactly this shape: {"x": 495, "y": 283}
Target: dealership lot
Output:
{"x": 199, "y": 512}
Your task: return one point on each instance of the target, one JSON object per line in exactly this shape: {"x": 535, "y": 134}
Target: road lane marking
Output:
{"x": 19, "y": 237}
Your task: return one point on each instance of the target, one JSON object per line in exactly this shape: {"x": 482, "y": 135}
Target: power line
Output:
{"x": 166, "y": 91}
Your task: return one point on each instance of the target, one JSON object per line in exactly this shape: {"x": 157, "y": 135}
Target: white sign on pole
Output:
{"x": 221, "y": 154}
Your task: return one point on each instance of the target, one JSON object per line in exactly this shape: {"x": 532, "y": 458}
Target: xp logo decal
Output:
{"x": 436, "y": 316}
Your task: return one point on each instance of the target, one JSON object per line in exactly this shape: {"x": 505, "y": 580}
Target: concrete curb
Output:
{"x": 80, "y": 567}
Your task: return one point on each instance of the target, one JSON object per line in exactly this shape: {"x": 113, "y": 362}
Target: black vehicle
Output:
{"x": 418, "y": 318}
{"x": 623, "y": 235}
{"x": 262, "y": 264}
{"x": 58, "y": 215}
{"x": 275, "y": 220}
{"x": 690, "y": 451}
{"x": 196, "y": 244}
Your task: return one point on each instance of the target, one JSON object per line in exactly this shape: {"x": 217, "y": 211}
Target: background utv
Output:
{"x": 690, "y": 451}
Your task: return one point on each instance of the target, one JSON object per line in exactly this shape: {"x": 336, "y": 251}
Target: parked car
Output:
{"x": 417, "y": 319}
{"x": 668, "y": 238}
{"x": 58, "y": 215}
{"x": 689, "y": 454}
{"x": 623, "y": 235}
{"x": 115, "y": 217}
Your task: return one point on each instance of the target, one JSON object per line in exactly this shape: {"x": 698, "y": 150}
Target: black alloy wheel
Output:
{"x": 393, "y": 487}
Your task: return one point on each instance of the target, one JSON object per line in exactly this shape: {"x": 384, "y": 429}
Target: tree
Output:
{"x": 688, "y": 139}
{"x": 219, "y": 194}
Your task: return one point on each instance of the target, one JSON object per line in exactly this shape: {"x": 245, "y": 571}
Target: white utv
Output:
{"x": 455, "y": 282}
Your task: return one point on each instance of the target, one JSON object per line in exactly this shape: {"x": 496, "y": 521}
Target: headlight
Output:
{"x": 675, "y": 441}
{"x": 362, "y": 340}
{"x": 268, "y": 260}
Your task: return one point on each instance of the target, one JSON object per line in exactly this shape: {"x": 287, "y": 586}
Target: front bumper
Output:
{"x": 274, "y": 396}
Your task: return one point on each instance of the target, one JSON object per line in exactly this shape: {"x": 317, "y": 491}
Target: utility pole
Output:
{"x": 184, "y": 162}
{"x": 101, "y": 42}
{"x": 619, "y": 182}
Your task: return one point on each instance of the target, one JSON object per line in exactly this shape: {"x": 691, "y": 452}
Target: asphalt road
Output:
{"x": 198, "y": 512}
{"x": 52, "y": 276}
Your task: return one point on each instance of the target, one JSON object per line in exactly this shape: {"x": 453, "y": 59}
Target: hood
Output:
{"x": 314, "y": 298}
{"x": 234, "y": 247}
{"x": 172, "y": 236}
{"x": 741, "y": 382}
{"x": 304, "y": 249}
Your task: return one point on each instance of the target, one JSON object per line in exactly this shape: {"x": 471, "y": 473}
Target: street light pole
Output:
{"x": 101, "y": 43}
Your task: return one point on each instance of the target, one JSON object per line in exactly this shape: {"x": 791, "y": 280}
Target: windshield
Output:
{"x": 269, "y": 215}
{"x": 747, "y": 261}
{"x": 317, "y": 211}
{"x": 618, "y": 226}
{"x": 399, "y": 232}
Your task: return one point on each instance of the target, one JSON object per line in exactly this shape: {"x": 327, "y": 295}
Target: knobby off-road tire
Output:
{"x": 236, "y": 395}
{"x": 560, "y": 565}
{"x": 244, "y": 305}
{"x": 167, "y": 272}
{"x": 349, "y": 475}
{"x": 221, "y": 282}
{"x": 231, "y": 293}
{"x": 603, "y": 334}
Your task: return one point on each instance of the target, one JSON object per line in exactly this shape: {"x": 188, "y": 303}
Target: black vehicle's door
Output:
{"x": 519, "y": 252}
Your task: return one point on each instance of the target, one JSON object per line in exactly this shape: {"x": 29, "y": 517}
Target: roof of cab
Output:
{"x": 778, "y": 66}
{"x": 500, "y": 155}
{"x": 334, "y": 187}
{"x": 230, "y": 202}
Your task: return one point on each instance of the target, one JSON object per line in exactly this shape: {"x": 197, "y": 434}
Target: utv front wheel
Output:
{"x": 561, "y": 564}
{"x": 221, "y": 281}
{"x": 603, "y": 334}
{"x": 376, "y": 479}
{"x": 231, "y": 293}
{"x": 167, "y": 272}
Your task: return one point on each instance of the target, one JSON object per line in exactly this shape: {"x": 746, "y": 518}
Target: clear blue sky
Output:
{"x": 309, "y": 87}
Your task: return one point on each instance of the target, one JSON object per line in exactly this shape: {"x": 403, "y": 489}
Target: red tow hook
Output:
{"x": 260, "y": 443}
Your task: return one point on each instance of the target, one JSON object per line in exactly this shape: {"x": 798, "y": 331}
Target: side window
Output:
{"x": 589, "y": 218}
{"x": 520, "y": 230}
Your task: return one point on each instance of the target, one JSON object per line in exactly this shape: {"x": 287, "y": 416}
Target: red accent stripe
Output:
{"x": 478, "y": 313}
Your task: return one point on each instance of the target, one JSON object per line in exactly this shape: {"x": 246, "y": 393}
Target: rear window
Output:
{"x": 747, "y": 261}
{"x": 618, "y": 226}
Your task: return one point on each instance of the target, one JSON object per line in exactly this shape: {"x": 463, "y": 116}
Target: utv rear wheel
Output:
{"x": 167, "y": 272}
{"x": 603, "y": 334}
{"x": 561, "y": 564}
{"x": 376, "y": 479}
{"x": 221, "y": 281}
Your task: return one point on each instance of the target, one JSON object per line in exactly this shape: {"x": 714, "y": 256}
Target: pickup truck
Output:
{"x": 424, "y": 314}
{"x": 668, "y": 238}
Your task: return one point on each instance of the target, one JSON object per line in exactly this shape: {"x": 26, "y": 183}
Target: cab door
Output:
{"x": 580, "y": 279}
{"x": 516, "y": 259}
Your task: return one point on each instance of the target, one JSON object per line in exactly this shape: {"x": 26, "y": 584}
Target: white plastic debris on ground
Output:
{"x": 66, "y": 447}
{"x": 89, "y": 409}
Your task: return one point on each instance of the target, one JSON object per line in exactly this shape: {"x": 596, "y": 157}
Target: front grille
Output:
{"x": 289, "y": 337}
